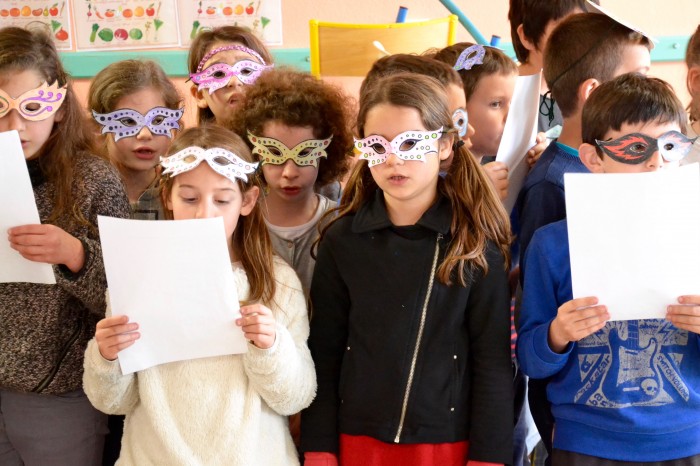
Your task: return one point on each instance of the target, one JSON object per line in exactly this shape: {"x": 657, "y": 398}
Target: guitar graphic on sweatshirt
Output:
{"x": 632, "y": 377}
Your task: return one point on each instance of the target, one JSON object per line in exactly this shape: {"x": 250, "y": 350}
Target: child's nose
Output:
{"x": 290, "y": 170}
{"x": 145, "y": 133}
{"x": 655, "y": 162}
{"x": 205, "y": 210}
{"x": 15, "y": 121}
{"x": 393, "y": 159}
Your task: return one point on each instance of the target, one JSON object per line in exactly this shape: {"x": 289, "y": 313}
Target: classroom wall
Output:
{"x": 658, "y": 18}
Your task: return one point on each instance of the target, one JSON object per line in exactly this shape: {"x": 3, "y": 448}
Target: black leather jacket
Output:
{"x": 395, "y": 363}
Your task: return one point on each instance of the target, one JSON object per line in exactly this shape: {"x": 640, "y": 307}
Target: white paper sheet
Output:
{"x": 633, "y": 239}
{"x": 519, "y": 134}
{"x": 174, "y": 279}
{"x": 19, "y": 208}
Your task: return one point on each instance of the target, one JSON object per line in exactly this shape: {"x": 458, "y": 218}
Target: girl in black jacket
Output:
{"x": 410, "y": 331}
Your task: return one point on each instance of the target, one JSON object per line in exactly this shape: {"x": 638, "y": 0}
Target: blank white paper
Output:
{"x": 173, "y": 278}
{"x": 633, "y": 239}
{"x": 17, "y": 209}
{"x": 519, "y": 134}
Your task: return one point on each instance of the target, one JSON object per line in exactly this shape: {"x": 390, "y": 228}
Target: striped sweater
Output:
{"x": 45, "y": 328}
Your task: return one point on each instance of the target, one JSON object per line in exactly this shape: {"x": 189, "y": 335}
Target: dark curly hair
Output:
{"x": 299, "y": 99}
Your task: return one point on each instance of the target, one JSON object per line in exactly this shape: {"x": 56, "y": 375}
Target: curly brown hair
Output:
{"x": 299, "y": 99}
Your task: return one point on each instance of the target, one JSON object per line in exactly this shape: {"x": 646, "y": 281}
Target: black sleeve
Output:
{"x": 330, "y": 303}
{"x": 491, "y": 371}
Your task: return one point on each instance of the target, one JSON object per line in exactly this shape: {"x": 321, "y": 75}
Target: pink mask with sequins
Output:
{"x": 218, "y": 75}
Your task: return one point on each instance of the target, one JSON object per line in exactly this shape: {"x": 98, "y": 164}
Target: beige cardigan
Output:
{"x": 226, "y": 410}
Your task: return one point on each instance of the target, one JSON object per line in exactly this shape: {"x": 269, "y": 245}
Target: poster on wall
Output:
{"x": 52, "y": 16}
{"x": 264, "y": 17}
{"x": 125, "y": 24}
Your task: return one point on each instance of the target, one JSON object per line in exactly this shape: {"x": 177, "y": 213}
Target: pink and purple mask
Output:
{"x": 410, "y": 145}
{"x": 222, "y": 161}
{"x": 218, "y": 75}
{"x": 34, "y": 105}
{"x": 274, "y": 152}
{"x": 636, "y": 148}
{"x": 125, "y": 122}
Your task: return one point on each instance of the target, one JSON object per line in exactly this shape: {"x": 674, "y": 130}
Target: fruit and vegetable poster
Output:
{"x": 264, "y": 17}
{"x": 120, "y": 24}
{"x": 50, "y": 15}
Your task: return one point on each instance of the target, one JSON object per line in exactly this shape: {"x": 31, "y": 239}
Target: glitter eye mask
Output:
{"x": 410, "y": 145}
{"x": 637, "y": 148}
{"x": 222, "y": 161}
{"x": 472, "y": 55}
{"x": 218, "y": 75}
{"x": 272, "y": 151}
{"x": 125, "y": 122}
{"x": 36, "y": 104}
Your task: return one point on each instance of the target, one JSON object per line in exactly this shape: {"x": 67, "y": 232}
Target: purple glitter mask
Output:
{"x": 410, "y": 145}
{"x": 36, "y": 104}
{"x": 125, "y": 122}
{"x": 473, "y": 55}
{"x": 219, "y": 75}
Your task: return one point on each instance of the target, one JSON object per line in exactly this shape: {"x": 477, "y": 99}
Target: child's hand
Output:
{"x": 49, "y": 244}
{"x": 533, "y": 155}
{"x": 258, "y": 325}
{"x": 576, "y": 319}
{"x": 498, "y": 174}
{"x": 685, "y": 315}
{"x": 115, "y": 333}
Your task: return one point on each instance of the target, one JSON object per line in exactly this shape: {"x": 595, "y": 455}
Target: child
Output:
{"x": 584, "y": 51}
{"x": 137, "y": 109}
{"x": 600, "y": 423}
{"x": 222, "y": 61}
{"x": 531, "y": 23}
{"x": 488, "y": 79}
{"x": 692, "y": 59}
{"x": 228, "y": 409}
{"x": 410, "y": 297}
{"x": 45, "y": 416}
{"x": 297, "y": 126}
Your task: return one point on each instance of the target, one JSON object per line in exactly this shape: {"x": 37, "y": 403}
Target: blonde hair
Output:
{"x": 477, "y": 214}
{"x": 250, "y": 238}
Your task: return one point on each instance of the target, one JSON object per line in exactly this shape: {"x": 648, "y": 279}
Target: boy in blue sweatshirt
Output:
{"x": 624, "y": 391}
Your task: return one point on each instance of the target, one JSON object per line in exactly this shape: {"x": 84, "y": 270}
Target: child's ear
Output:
{"x": 590, "y": 158}
{"x": 585, "y": 89}
{"x": 445, "y": 147}
{"x": 527, "y": 43}
{"x": 250, "y": 198}
{"x": 198, "y": 97}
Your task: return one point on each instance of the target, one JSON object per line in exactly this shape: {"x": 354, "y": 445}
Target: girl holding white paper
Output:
{"x": 45, "y": 417}
{"x": 137, "y": 110}
{"x": 220, "y": 410}
{"x": 410, "y": 331}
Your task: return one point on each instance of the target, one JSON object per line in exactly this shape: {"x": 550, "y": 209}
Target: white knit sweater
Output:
{"x": 227, "y": 410}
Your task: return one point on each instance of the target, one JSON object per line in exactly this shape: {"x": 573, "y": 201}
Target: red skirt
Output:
{"x": 360, "y": 450}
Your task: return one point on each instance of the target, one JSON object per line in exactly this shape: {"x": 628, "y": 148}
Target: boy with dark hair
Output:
{"x": 596, "y": 425}
{"x": 531, "y": 23}
{"x": 583, "y": 51}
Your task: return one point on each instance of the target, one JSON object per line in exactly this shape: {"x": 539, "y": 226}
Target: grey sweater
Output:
{"x": 44, "y": 329}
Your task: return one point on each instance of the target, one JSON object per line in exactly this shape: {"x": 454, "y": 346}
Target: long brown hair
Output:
{"x": 127, "y": 77}
{"x": 692, "y": 58}
{"x": 21, "y": 50}
{"x": 227, "y": 34}
{"x": 477, "y": 214}
{"x": 250, "y": 239}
